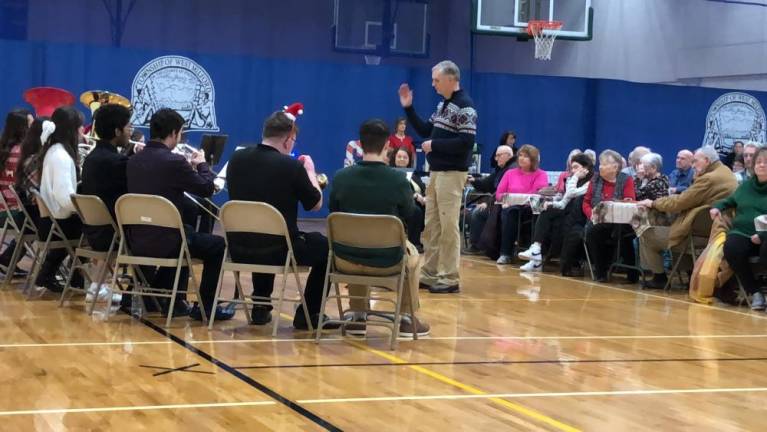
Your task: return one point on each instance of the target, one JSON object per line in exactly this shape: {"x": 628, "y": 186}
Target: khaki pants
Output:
{"x": 409, "y": 287}
{"x": 651, "y": 243}
{"x": 441, "y": 234}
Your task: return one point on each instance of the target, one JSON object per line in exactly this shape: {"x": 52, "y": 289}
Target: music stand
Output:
{"x": 213, "y": 145}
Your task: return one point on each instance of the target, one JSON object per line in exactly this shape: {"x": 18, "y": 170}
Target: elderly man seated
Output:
{"x": 503, "y": 157}
{"x": 681, "y": 178}
{"x": 713, "y": 181}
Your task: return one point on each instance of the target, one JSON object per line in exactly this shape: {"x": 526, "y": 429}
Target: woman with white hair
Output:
{"x": 654, "y": 183}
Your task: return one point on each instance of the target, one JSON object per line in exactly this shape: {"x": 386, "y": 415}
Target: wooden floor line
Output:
{"x": 443, "y": 299}
{"x": 135, "y": 408}
{"x": 761, "y": 316}
{"x": 82, "y": 344}
{"x": 516, "y": 408}
{"x": 507, "y": 362}
{"x": 537, "y": 395}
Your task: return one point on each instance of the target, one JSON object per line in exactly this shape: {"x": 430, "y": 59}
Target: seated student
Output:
{"x": 267, "y": 173}
{"x": 13, "y": 133}
{"x": 610, "y": 185}
{"x": 527, "y": 178}
{"x": 713, "y": 182}
{"x": 749, "y": 201}
{"x": 104, "y": 169}
{"x": 548, "y": 234}
{"x": 370, "y": 187}
{"x": 58, "y": 181}
{"x": 156, "y": 170}
{"x": 403, "y": 158}
{"x": 504, "y": 160}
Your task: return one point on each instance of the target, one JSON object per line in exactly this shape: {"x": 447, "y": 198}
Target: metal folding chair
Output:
{"x": 693, "y": 245}
{"x": 156, "y": 211}
{"x": 363, "y": 233}
{"x": 24, "y": 235}
{"x": 258, "y": 218}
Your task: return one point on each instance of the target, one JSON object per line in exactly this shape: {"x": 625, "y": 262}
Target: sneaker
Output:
{"x": 757, "y": 301}
{"x": 531, "y": 254}
{"x": 532, "y": 266}
{"x": 410, "y": 324}
{"x": 503, "y": 260}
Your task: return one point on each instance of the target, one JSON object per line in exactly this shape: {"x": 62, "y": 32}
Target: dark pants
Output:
{"x": 5, "y": 257}
{"x": 206, "y": 247}
{"x": 511, "y": 218}
{"x": 547, "y": 230}
{"x": 572, "y": 248}
{"x": 415, "y": 225}
{"x": 477, "y": 221}
{"x": 310, "y": 249}
{"x": 72, "y": 228}
{"x": 601, "y": 240}
{"x": 737, "y": 250}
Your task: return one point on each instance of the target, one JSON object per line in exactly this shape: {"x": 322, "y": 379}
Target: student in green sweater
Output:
{"x": 749, "y": 201}
{"x": 372, "y": 187}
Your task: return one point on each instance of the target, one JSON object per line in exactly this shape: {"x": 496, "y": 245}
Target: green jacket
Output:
{"x": 749, "y": 201}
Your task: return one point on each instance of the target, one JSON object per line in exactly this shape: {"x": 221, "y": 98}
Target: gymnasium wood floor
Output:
{"x": 507, "y": 353}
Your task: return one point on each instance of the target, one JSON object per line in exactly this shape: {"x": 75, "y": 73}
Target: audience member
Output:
{"x": 749, "y": 151}
{"x": 610, "y": 185}
{"x": 509, "y": 139}
{"x": 749, "y": 201}
{"x": 681, "y": 177}
{"x": 713, "y": 182}
{"x": 560, "y": 186}
{"x": 655, "y": 183}
{"x": 548, "y": 235}
{"x": 633, "y": 161}
{"x": 737, "y": 150}
{"x": 399, "y": 139}
{"x": 527, "y": 178}
{"x": 14, "y": 132}
{"x": 403, "y": 158}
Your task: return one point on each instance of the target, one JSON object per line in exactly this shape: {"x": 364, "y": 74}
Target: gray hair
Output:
{"x": 709, "y": 152}
{"x": 654, "y": 160}
{"x": 614, "y": 155}
{"x": 755, "y": 144}
{"x": 446, "y": 67}
{"x": 573, "y": 152}
{"x": 636, "y": 155}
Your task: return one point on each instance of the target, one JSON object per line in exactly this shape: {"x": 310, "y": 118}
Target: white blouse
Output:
{"x": 58, "y": 181}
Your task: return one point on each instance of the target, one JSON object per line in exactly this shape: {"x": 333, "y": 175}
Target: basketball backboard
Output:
{"x": 381, "y": 27}
{"x": 510, "y": 17}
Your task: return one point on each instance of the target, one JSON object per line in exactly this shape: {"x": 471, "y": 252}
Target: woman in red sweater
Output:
{"x": 14, "y": 131}
{"x": 400, "y": 139}
{"x": 610, "y": 185}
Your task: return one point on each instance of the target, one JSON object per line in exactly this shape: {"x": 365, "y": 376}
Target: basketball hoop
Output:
{"x": 544, "y": 34}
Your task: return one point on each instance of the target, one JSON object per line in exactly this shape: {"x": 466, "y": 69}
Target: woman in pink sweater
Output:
{"x": 527, "y": 178}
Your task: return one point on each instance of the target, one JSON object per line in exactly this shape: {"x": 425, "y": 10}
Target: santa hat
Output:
{"x": 293, "y": 110}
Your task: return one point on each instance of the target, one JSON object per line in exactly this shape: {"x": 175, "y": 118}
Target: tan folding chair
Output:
{"x": 42, "y": 247}
{"x": 258, "y": 218}
{"x": 156, "y": 211}
{"x": 693, "y": 245}
{"x": 15, "y": 232}
{"x": 94, "y": 213}
{"x": 351, "y": 236}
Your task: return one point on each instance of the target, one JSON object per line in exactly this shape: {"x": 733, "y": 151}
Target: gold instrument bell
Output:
{"x": 93, "y": 99}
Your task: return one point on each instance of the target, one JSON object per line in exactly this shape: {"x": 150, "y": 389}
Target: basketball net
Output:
{"x": 544, "y": 40}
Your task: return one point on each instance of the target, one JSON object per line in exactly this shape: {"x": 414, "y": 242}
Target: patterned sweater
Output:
{"x": 452, "y": 130}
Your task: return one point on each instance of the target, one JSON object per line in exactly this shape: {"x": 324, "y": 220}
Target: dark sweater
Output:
{"x": 489, "y": 183}
{"x": 452, "y": 130}
{"x": 749, "y": 201}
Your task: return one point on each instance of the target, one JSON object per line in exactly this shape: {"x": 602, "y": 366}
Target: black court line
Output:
{"x": 165, "y": 370}
{"x": 246, "y": 379}
{"x": 507, "y": 362}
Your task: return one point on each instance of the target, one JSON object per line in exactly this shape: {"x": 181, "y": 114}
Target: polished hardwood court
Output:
{"x": 510, "y": 352}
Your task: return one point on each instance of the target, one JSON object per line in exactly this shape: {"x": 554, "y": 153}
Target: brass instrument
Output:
{"x": 93, "y": 100}
{"x": 45, "y": 100}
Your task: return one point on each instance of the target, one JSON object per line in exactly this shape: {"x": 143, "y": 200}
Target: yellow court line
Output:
{"x": 470, "y": 389}
{"x": 537, "y": 395}
{"x": 83, "y": 344}
{"x": 134, "y": 408}
{"x": 602, "y": 285}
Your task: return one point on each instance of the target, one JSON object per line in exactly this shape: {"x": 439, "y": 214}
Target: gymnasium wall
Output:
{"x": 262, "y": 55}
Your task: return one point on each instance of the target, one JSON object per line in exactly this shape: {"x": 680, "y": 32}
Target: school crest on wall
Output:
{"x": 179, "y": 83}
{"x": 734, "y": 117}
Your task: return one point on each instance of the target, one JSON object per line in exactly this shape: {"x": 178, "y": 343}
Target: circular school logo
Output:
{"x": 734, "y": 117}
{"x": 179, "y": 83}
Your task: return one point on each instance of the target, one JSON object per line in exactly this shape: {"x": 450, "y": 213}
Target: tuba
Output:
{"x": 45, "y": 100}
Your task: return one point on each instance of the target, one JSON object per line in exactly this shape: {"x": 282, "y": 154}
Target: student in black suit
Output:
{"x": 104, "y": 169}
{"x": 267, "y": 173}
{"x": 156, "y": 170}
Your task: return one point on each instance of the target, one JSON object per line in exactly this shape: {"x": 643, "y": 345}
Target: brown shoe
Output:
{"x": 410, "y": 324}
